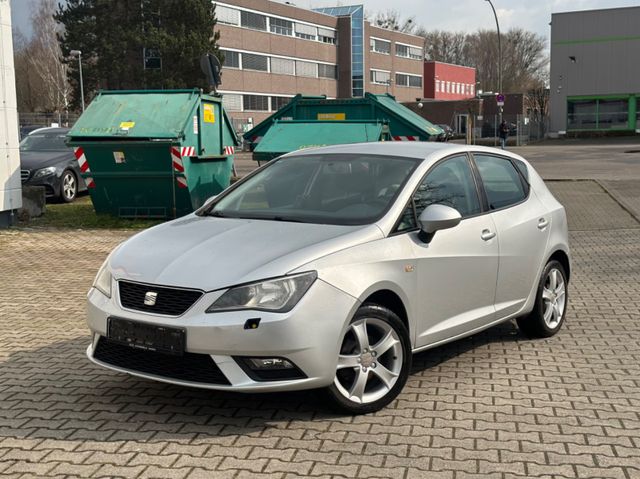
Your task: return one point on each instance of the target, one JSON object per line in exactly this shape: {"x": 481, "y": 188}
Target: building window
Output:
{"x": 231, "y": 59}
{"x": 582, "y": 115}
{"x": 251, "y": 61}
{"x": 597, "y": 114}
{"x": 613, "y": 114}
{"x": 306, "y": 32}
{"x": 380, "y": 77}
{"x": 327, "y": 71}
{"x": 280, "y": 26}
{"x": 232, "y": 102}
{"x": 306, "y": 69}
{"x": 255, "y": 102}
{"x": 415, "y": 81}
{"x": 283, "y": 66}
{"x": 278, "y": 102}
{"x": 254, "y": 21}
{"x": 415, "y": 53}
{"x": 437, "y": 86}
{"x": 403, "y": 79}
{"x": 380, "y": 46}
{"x": 226, "y": 15}
{"x": 407, "y": 51}
{"x": 326, "y": 35}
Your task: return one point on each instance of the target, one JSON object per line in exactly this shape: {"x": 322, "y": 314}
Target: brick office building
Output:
{"x": 444, "y": 81}
{"x": 274, "y": 51}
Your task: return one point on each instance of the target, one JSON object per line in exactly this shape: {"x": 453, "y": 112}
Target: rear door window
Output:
{"x": 502, "y": 183}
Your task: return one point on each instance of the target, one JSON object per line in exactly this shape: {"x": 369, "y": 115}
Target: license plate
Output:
{"x": 161, "y": 339}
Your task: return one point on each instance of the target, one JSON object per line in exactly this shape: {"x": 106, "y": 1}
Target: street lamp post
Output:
{"x": 78, "y": 53}
{"x": 499, "y": 54}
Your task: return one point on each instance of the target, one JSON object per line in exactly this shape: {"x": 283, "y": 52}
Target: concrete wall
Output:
{"x": 605, "y": 46}
{"x": 10, "y": 183}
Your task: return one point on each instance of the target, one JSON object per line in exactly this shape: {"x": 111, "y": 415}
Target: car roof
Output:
{"x": 408, "y": 149}
{"x": 51, "y": 130}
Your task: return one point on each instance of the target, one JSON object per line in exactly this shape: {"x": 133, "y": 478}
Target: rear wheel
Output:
{"x": 551, "y": 303}
{"x": 68, "y": 187}
{"x": 374, "y": 361}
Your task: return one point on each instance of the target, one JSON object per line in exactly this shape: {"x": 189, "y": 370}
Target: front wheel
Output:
{"x": 68, "y": 187}
{"x": 551, "y": 303}
{"x": 373, "y": 363}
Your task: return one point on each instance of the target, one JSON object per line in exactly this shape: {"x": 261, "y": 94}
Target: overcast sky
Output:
{"x": 466, "y": 15}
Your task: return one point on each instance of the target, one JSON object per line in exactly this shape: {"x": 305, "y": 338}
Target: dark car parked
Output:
{"x": 447, "y": 133}
{"x": 45, "y": 160}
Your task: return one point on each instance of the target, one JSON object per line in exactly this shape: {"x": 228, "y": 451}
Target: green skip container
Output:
{"x": 154, "y": 153}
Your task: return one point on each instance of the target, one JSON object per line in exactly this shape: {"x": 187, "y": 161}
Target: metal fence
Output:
{"x": 47, "y": 119}
{"x": 484, "y": 130}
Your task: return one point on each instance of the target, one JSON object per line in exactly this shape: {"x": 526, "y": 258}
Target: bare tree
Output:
{"x": 44, "y": 58}
{"x": 523, "y": 56}
{"x": 28, "y": 85}
{"x": 447, "y": 47}
{"x": 393, "y": 20}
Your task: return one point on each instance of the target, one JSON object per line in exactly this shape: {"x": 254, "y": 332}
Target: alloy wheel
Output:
{"x": 370, "y": 361}
{"x": 554, "y": 297}
{"x": 69, "y": 186}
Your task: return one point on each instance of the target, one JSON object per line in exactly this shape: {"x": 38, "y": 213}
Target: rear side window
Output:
{"x": 502, "y": 182}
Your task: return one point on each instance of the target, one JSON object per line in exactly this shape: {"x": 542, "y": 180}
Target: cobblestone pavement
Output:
{"x": 495, "y": 405}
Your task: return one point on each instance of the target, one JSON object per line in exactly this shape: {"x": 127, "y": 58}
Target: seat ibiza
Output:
{"x": 328, "y": 268}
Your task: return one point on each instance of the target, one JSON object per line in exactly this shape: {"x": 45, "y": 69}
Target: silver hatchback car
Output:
{"x": 328, "y": 268}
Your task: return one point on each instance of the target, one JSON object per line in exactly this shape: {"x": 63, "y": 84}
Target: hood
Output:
{"x": 213, "y": 253}
{"x": 34, "y": 160}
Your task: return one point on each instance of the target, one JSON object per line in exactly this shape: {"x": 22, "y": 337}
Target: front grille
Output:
{"x": 169, "y": 301}
{"x": 199, "y": 368}
{"x": 24, "y": 175}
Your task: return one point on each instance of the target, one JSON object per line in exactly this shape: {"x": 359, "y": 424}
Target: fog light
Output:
{"x": 269, "y": 363}
{"x": 269, "y": 369}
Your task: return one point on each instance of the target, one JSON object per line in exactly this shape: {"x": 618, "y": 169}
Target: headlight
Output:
{"x": 103, "y": 279}
{"x": 278, "y": 295}
{"x": 44, "y": 172}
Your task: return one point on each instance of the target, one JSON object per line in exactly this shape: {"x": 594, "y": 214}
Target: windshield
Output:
{"x": 44, "y": 142}
{"x": 328, "y": 189}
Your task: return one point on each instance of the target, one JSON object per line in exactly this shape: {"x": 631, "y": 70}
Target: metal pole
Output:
{"x": 81, "y": 82}
{"x": 499, "y": 55}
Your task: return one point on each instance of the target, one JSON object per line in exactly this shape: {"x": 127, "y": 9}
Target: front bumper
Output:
{"x": 308, "y": 336}
{"x": 51, "y": 183}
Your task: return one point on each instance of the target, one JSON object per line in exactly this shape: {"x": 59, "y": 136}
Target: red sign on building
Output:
{"x": 444, "y": 81}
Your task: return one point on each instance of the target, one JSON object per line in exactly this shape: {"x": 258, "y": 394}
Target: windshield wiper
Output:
{"x": 216, "y": 213}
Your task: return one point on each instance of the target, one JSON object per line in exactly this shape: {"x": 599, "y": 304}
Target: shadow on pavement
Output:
{"x": 55, "y": 392}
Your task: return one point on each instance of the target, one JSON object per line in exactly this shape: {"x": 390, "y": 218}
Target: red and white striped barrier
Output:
{"x": 188, "y": 151}
{"x": 84, "y": 166}
{"x": 229, "y": 150}
{"x": 406, "y": 138}
{"x": 178, "y": 166}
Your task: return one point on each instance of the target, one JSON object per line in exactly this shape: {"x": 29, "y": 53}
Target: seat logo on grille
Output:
{"x": 150, "y": 298}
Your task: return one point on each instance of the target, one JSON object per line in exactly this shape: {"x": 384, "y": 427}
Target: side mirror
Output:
{"x": 435, "y": 218}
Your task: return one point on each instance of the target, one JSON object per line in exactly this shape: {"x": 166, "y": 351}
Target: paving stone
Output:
{"x": 492, "y": 405}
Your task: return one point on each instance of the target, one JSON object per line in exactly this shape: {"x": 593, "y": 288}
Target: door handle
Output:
{"x": 487, "y": 235}
{"x": 542, "y": 223}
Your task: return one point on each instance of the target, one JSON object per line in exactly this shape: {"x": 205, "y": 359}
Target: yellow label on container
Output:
{"x": 209, "y": 115}
{"x": 127, "y": 125}
{"x": 332, "y": 116}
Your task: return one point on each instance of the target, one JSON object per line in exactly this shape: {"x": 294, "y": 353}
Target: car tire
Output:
{"x": 68, "y": 186}
{"x": 550, "y": 308}
{"x": 374, "y": 361}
